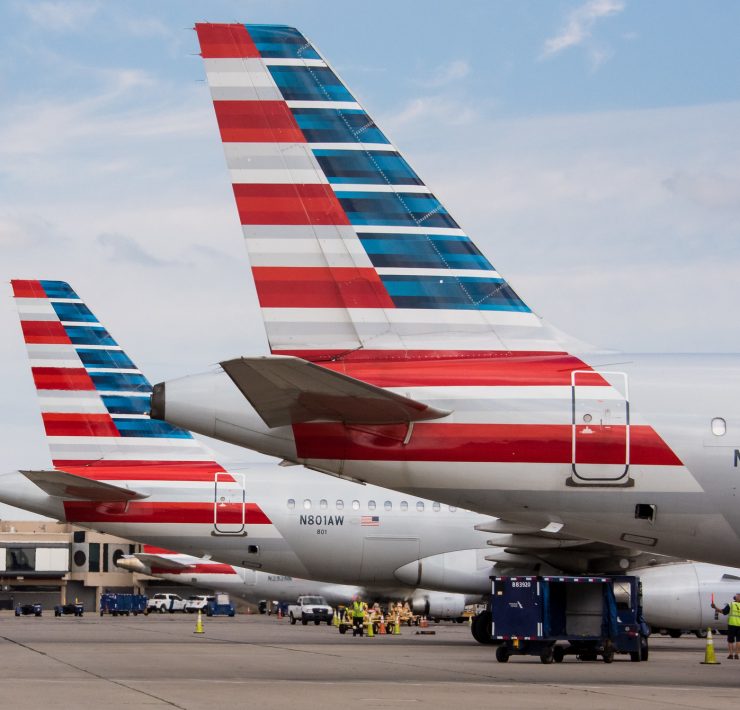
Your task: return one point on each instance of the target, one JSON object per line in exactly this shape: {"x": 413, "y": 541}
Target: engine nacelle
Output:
{"x": 678, "y": 596}
{"x": 463, "y": 571}
{"x": 438, "y": 605}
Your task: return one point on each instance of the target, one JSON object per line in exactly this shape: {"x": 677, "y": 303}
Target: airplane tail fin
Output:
{"x": 350, "y": 251}
{"x": 94, "y": 400}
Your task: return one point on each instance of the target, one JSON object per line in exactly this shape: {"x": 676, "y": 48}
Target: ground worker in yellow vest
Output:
{"x": 732, "y": 610}
{"x": 357, "y": 609}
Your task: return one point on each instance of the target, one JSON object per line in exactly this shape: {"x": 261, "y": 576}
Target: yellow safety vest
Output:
{"x": 358, "y": 611}
{"x": 734, "y": 617}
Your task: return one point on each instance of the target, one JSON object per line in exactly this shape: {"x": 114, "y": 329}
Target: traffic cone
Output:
{"x": 397, "y": 626}
{"x": 709, "y": 657}
{"x": 199, "y": 623}
{"x": 370, "y": 632}
{"x": 470, "y": 620}
{"x": 335, "y": 618}
{"x": 381, "y": 628}
{"x": 280, "y": 613}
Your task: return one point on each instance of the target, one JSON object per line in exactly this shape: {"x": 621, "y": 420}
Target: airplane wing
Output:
{"x": 61, "y": 484}
{"x": 288, "y": 390}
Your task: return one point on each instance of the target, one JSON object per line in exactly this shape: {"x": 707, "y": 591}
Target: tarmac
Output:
{"x": 261, "y": 662}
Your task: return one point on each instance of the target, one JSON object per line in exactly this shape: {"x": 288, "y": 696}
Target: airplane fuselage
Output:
{"x": 640, "y": 451}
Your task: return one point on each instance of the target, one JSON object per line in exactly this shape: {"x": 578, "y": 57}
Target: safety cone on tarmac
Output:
{"x": 381, "y": 627}
{"x": 335, "y": 618}
{"x": 397, "y": 626}
{"x": 279, "y": 613}
{"x": 470, "y": 620}
{"x": 709, "y": 657}
{"x": 199, "y": 623}
{"x": 370, "y": 632}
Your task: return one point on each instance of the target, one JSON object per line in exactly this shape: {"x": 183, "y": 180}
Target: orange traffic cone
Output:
{"x": 279, "y": 613}
{"x": 381, "y": 628}
{"x": 709, "y": 657}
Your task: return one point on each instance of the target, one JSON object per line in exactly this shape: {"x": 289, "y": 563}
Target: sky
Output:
{"x": 590, "y": 148}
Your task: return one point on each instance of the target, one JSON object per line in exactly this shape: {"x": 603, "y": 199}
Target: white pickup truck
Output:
{"x": 310, "y": 608}
{"x": 165, "y": 602}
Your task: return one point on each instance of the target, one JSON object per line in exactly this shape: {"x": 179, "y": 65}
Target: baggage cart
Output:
{"x": 122, "y": 604}
{"x": 556, "y": 616}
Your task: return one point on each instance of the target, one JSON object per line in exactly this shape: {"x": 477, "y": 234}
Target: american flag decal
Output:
{"x": 372, "y": 521}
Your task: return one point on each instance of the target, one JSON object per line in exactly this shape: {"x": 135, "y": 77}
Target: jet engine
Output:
{"x": 678, "y": 596}
{"x": 438, "y": 605}
{"x": 465, "y": 571}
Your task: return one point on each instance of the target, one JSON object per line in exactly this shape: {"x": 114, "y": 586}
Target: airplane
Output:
{"x": 118, "y": 471}
{"x": 263, "y": 588}
{"x": 400, "y": 357}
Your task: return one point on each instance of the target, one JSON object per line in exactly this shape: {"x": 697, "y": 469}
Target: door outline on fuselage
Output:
{"x": 591, "y": 417}
{"x": 228, "y": 490}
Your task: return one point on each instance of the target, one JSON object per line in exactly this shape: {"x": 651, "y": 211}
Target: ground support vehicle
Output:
{"x": 163, "y": 602}
{"x": 594, "y": 616}
{"x": 71, "y": 609}
{"x": 197, "y": 602}
{"x": 310, "y": 608}
{"x": 220, "y": 605}
{"x": 123, "y": 604}
{"x": 28, "y": 610}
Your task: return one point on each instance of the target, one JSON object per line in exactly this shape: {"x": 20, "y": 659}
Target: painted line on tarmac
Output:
{"x": 92, "y": 673}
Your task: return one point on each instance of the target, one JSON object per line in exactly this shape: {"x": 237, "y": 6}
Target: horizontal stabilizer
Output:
{"x": 61, "y": 484}
{"x": 289, "y": 390}
{"x": 152, "y": 561}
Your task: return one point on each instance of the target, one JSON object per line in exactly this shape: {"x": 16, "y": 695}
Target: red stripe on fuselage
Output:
{"x": 499, "y": 443}
{"x": 194, "y": 513}
{"x": 257, "y": 122}
{"x": 200, "y": 568}
{"x": 319, "y": 287}
{"x": 44, "y": 331}
{"x": 223, "y": 41}
{"x": 62, "y": 378}
{"x": 513, "y": 370}
{"x": 288, "y": 204}
{"x": 174, "y": 471}
{"x": 67, "y": 424}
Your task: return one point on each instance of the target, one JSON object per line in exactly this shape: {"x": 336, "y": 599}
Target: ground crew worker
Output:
{"x": 358, "y": 616}
{"x": 732, "y": 610}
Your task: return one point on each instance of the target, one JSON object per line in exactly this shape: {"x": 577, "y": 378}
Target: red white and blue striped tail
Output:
{"x": 350, "y": 250}
{"x": 94, "y": 401}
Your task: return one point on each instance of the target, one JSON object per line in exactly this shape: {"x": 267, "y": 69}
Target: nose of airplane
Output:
{"x": 157, "y": 401}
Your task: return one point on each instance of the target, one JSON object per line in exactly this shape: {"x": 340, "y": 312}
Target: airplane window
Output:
{"x": 291, "y": 503}
{"x": 420, "y": 506}
{"x": 719, "y": 426}
{"x": 355, "y": 505}
{"x": 436, "y": 507}
{"x": 452, "y": 508}
{"x": 388, "y": 505}
{"x": 404, "y": 505}
{"x": 307, "y": 504}
{"x": 323, "y": 504}
{"x": 371, "y": 505}
{"x": 340, "y": 505}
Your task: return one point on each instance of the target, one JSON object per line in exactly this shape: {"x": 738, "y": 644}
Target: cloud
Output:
{"x": 60, "y": 15}
{"x": 579, "y": 24}
{"x": 123, "y": 248}
{"x": 422, "y": 110}
{"x": 448, "y": 73}
{"x": 706, "y": 189}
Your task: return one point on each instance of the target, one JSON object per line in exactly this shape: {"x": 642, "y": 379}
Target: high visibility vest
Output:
{"x": 357, "y": 610}
{"x": 734, "y": 617}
